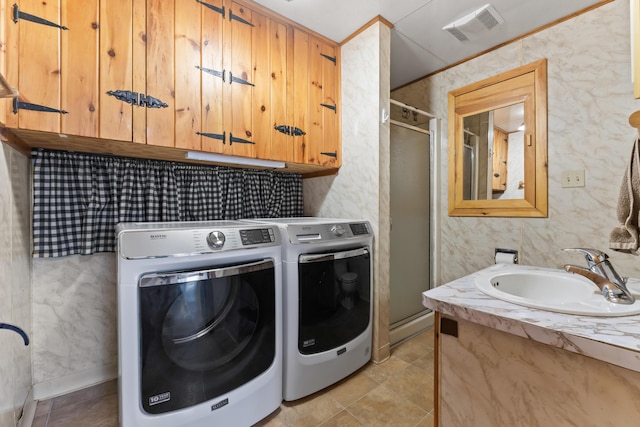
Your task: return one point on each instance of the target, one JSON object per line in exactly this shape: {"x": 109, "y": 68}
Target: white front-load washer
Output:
{"x": 328, "y": 288}
{"x": 199, "y": 323}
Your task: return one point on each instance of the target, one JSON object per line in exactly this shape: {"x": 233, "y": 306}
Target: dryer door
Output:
{"x": 204, "y": 333}
{"x": 334, "y": 298}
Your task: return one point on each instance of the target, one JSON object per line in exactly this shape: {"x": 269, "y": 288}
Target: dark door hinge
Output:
{"x": 233, "y": 139}
{"x": 221, "y": 136}
{"x": 331, "y": 107}
{"x": 238, "y": 80}
{"x": 216, "y": 73}
{"x": 233, "y": 17}
{"x": 19, "y": 105}
{"x": 330, "y": 58}
{"x": 17, "y": 15}
{"x": 220, "y": 10}
{"x": 140, "y": 100}
{"x": 330, "y": 154}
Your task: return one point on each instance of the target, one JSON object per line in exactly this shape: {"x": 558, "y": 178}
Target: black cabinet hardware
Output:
{"x": 17, "y": 15}
{"x": 290, "y": 130}
{"x": 19, "y": 105}
{"x": 239, "y": 80}
{"x": 233, "y": 17}
{"x": 233, "y": 139}
{"x": 217, "y": 9}
{"x": 330, "y": 58}
{"x": 331, "y": 107}
{"x": 216, "y": 73}
{"x": 221, "y": 136}
{"x": 140, "y": 100}
{"x": 333, "y": 154}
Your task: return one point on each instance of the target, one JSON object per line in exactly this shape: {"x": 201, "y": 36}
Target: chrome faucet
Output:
{"x": 601, "y": 272}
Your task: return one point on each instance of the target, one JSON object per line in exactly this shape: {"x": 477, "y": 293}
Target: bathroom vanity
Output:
{"x": 501, "y": 364}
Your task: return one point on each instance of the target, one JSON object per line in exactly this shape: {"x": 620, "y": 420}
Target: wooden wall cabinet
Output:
{"x": 219, "y": 76}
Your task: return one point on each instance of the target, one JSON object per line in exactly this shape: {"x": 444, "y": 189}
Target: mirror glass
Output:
{"x": 494, "y": 154}
{"x": 498, "y": 145}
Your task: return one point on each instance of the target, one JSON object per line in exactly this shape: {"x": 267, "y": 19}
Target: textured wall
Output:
{"x": 15, "y": 289}
{"x": 590, "y": 97}
{"x": 361, "y": 189}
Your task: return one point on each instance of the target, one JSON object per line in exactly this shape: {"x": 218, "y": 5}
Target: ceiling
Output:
{"x": 419, "y": 45}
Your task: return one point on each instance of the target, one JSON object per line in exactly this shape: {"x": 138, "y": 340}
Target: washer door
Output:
{"x": 205, "y": 332}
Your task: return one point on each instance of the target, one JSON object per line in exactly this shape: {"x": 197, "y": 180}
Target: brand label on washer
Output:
{"x": 160, "y": 398}
{"x": 308, "y": 343}
{"x": 220, "y": 404}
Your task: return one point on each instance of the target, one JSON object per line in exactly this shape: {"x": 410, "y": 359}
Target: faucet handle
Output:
{"x": 593, "y": 256}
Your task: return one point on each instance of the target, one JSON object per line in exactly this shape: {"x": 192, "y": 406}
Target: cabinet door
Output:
{"x": 315, "y": 100}
{"x": 213, "y": 75}
{"x": 161, "y": 71}
{"x": 238, "y": 93}
{"x": 36, "y": 47}
{"x": 79, "y": 67}
{"x": 299, "y": 100}
{"x": 116, "y": 67}
{"x": 324, "y": 147}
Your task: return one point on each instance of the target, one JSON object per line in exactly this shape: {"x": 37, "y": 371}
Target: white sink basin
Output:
{"x": 551, "y": 290}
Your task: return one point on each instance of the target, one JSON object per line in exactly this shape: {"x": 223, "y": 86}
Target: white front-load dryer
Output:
{"x": 328, "y": 288}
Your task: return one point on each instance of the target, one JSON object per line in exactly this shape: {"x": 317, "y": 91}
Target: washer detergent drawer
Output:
{"x": 204, "y": 332}
{"x": 334, "y": 291}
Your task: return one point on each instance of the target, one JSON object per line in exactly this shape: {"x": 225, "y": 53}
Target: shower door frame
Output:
{"x": 404, "y": 329}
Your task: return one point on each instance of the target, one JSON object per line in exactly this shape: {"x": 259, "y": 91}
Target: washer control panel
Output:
{"x": 180, "y": 240}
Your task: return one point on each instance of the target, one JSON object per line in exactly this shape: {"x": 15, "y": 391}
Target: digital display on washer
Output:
{"x": 256, "y": 236}
{"x": 360, "y": 228}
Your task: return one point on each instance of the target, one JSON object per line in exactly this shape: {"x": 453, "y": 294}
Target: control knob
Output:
{"x": 216, "y": 239}
{"x": 337, "y": 230}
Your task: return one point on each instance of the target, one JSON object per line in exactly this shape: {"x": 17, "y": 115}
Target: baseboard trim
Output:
{"x": 59, "y": 386}
{"x": 28, "y": 410}
{"x": 409, "y": 329}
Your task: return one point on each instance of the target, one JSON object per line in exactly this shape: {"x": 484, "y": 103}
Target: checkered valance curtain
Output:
{"x": 79, "y": 198}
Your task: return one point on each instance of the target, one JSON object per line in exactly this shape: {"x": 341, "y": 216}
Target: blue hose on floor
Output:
{"x": 16, "y": 330}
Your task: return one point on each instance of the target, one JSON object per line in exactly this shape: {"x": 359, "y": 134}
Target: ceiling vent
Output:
{"x": 476, "y": 23}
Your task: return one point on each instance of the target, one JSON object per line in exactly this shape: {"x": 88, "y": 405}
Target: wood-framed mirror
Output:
{"x": 498, "y": 145}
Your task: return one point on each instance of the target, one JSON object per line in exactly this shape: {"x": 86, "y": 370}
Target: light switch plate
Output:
{"x": 573, "y": 178}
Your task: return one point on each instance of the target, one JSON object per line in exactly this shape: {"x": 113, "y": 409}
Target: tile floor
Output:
{"x": 398, "y": 392}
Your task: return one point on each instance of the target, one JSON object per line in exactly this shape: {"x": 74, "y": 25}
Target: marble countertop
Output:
{"x": 614, "y": 340}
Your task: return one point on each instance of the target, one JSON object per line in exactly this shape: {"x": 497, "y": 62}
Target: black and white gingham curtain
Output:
{"x": 79, "y": 198}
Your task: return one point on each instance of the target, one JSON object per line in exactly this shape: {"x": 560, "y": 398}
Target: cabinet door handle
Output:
{"x": 290, "y": 130}
{"x": 17, "y": 15}
{"x": 221, "y": 136}
{"x": 297, "y": 132}
{"x": 220, "y": 10}
{"x": 19, "y": 105}
{"x": 140, "y": 100}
